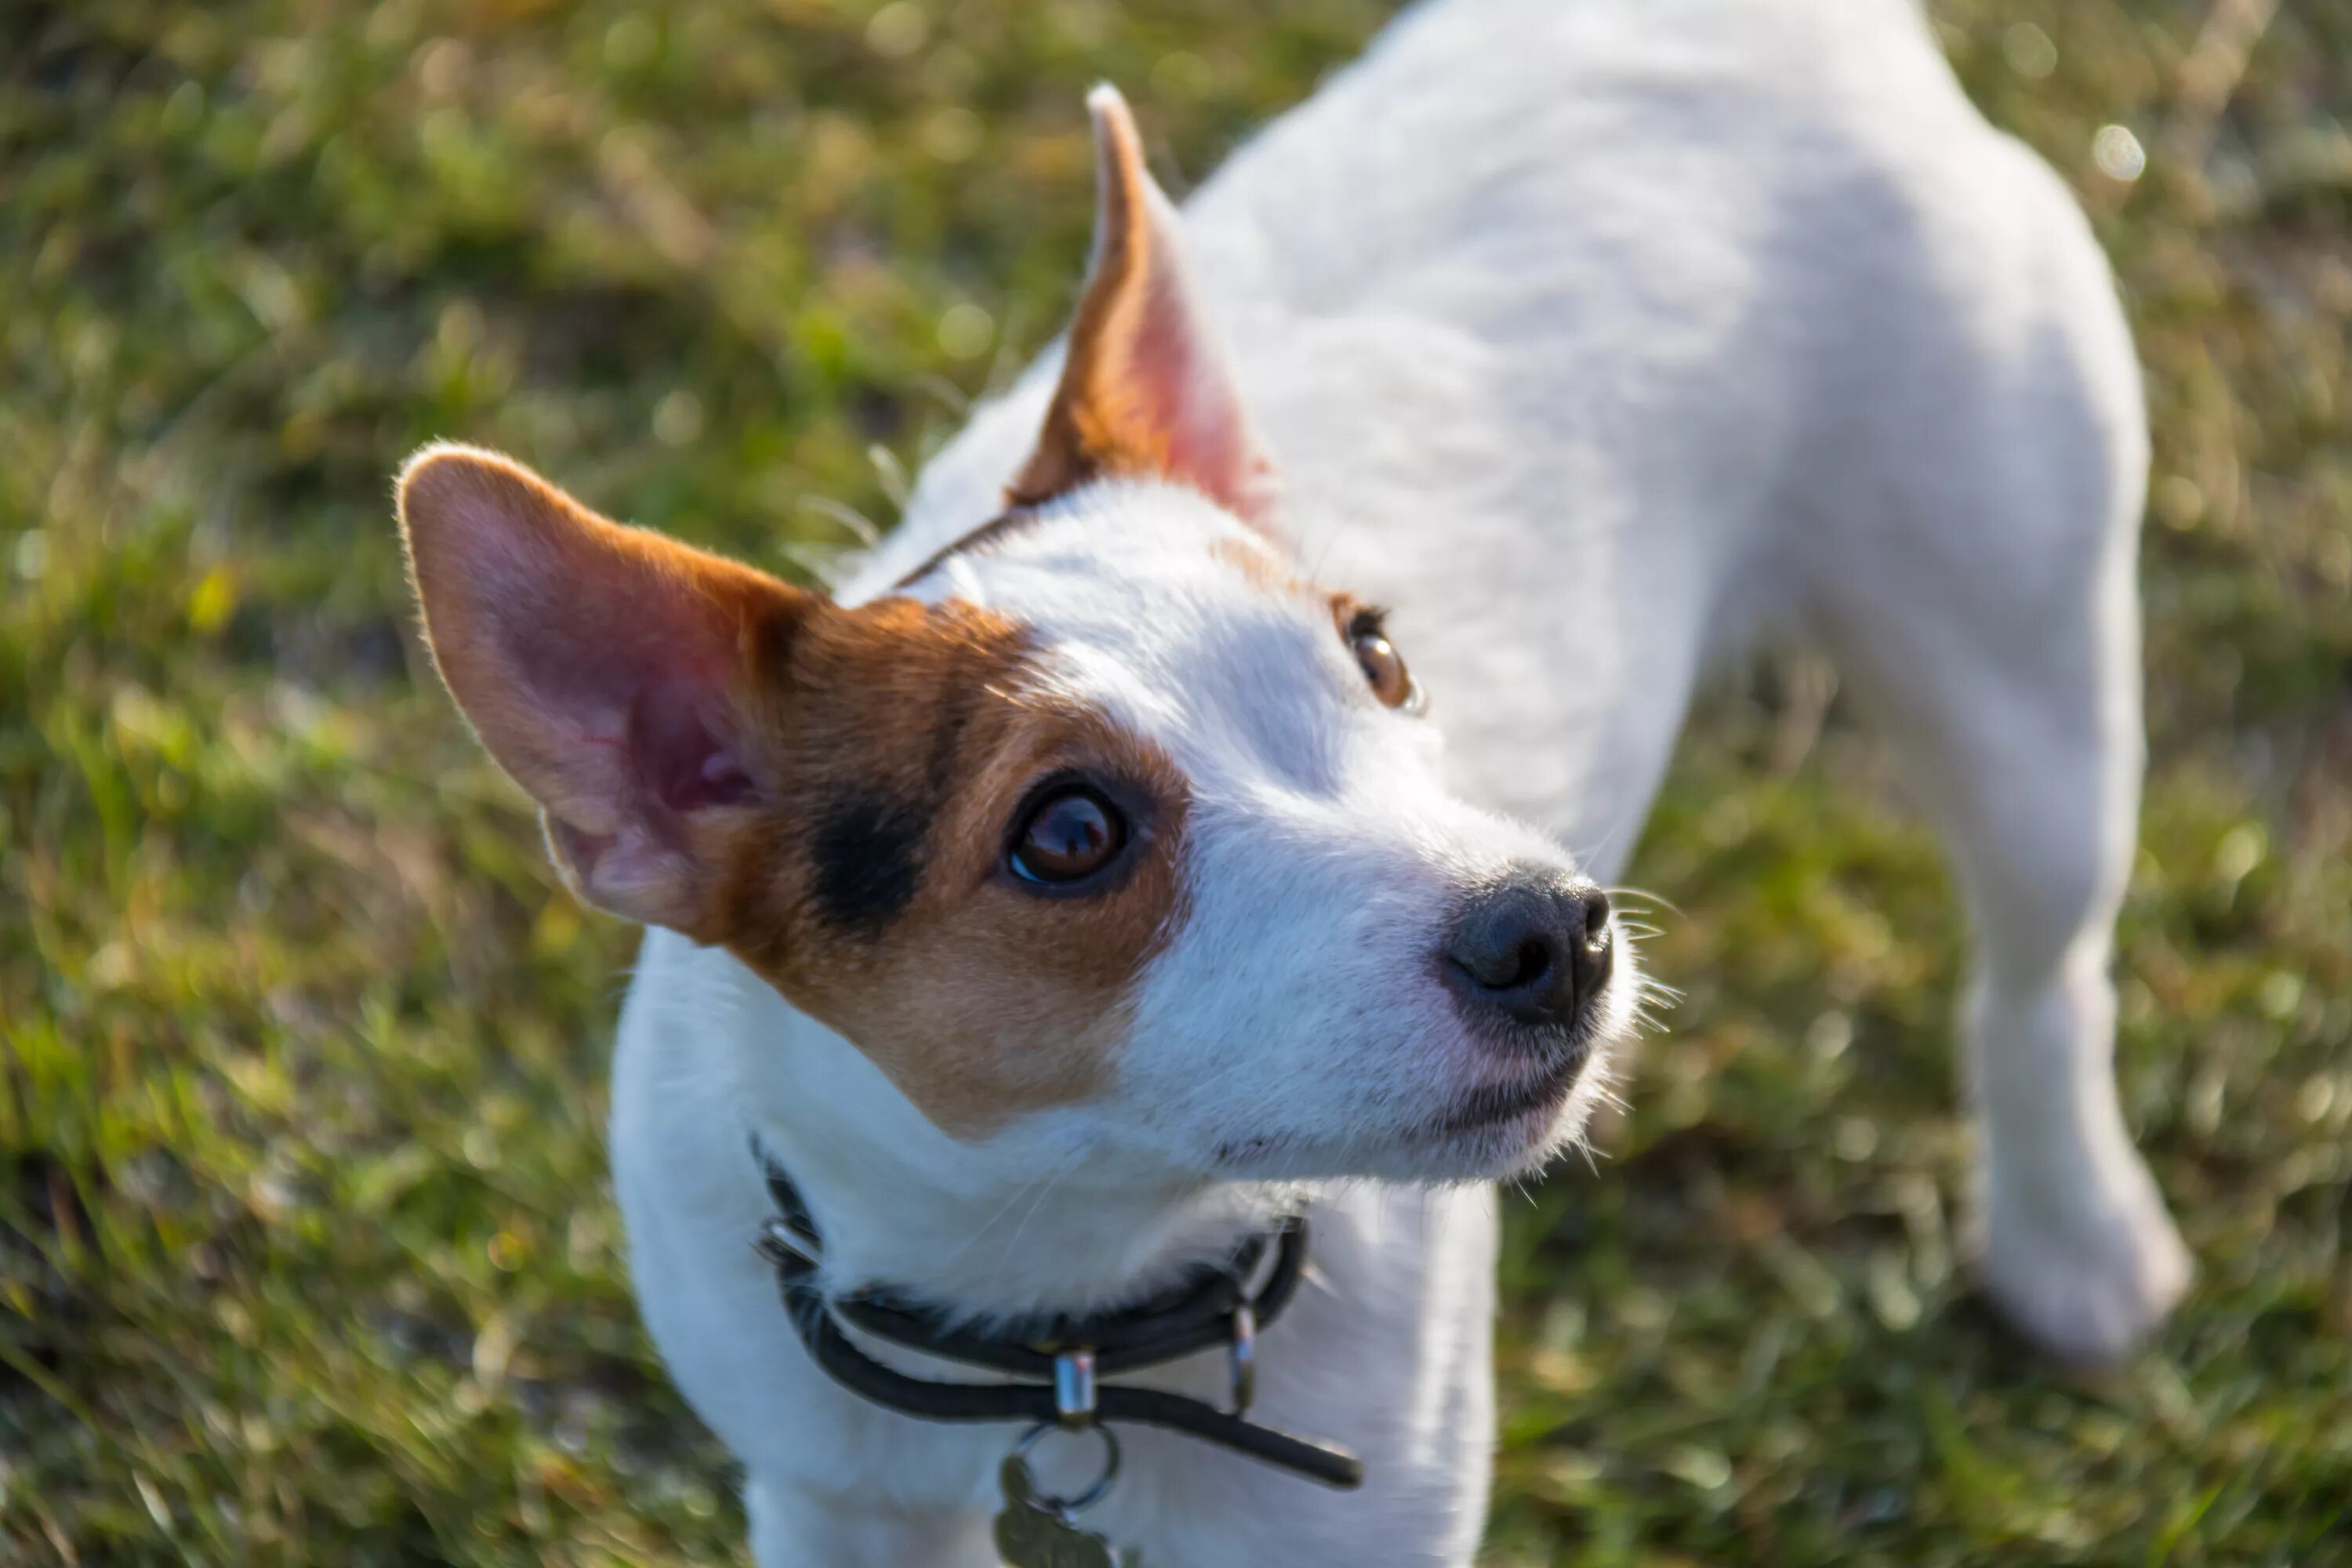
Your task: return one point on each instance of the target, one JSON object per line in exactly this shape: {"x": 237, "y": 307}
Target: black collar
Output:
{"x": 1060, "y": 1355}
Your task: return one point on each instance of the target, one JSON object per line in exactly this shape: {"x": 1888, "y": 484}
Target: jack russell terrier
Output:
{"x": 1075, "y": 965}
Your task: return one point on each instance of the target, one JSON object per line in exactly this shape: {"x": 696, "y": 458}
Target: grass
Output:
{"x": 306, "y": 1253}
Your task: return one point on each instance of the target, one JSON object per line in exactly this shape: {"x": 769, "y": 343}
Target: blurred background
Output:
{"x": 306, "y": 1251}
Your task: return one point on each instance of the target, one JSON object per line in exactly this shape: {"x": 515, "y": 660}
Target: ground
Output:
{"x": 306, "y": 1248}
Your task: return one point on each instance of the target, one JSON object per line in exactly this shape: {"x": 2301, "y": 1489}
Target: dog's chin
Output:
{"x": 1493, "y": 1135}
{"x": 1487, "y": 1133}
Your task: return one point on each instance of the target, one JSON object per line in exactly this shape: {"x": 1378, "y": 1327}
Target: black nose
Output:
{"x": 1535, "y": 947}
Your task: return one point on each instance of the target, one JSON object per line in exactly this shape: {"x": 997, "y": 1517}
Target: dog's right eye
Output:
{"x": 1068, "y": 836}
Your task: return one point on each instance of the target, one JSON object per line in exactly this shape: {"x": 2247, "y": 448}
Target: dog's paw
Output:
{"x": 2087, "y": 1276}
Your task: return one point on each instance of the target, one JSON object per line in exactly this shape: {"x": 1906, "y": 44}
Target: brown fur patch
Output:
{"x": 1261, "y": 564}
{"x": 884, "y": 752}
{"x": 980, "y": 999}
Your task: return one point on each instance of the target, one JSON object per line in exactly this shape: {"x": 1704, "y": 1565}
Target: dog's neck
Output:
{"x": 1049, "y": 1224}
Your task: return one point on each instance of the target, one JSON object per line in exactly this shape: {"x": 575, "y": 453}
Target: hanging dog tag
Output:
{"x": 1033, "y": 1534}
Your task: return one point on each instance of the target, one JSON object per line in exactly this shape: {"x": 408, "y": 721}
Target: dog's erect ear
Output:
{"x": 615, "y": 673}
{"x": 1145, "y": 387}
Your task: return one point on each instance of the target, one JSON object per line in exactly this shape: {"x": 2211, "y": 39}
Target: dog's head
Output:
{"x": 1108, "y": 824}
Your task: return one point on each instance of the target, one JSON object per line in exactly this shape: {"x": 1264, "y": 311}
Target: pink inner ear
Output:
{"x": 607, "y": 646}
{"x": 1177, "y": 374}
{"x": 677, "y": 757}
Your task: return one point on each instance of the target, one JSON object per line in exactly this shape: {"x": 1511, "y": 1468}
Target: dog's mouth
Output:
{"x": 1483, "y": 1130}
{"x": 1540, "y": 1096}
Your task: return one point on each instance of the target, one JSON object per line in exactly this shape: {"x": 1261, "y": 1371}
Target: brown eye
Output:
{"x": 1384, "y": 668}
{"x": 1069, "y": 836}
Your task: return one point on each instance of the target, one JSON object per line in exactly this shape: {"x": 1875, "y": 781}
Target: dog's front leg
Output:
{"x": 793, "y": 1527}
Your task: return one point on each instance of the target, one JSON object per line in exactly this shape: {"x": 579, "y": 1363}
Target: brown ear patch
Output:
{"x": 1096, "y": 423}
{"x": 1145, "y": 389}
{"x": 879, "y": 903}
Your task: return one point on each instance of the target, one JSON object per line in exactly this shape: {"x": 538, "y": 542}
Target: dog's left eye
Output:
{"x": 1384, "y": 668}
{"x": 1067, "y": 837}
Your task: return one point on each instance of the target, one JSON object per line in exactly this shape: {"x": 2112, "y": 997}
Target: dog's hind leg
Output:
{"x": 2023, "y": 742}
{"x": 1989, "y": 616}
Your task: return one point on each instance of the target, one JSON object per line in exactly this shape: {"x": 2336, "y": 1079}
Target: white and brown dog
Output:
{"x": 1086, "y": 885}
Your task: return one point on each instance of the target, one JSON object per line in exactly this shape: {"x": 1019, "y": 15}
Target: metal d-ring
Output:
{"x": 782, "y": 1243}
{"x": 1241, "y": 1358}
{"x": 1068, "y": 1509}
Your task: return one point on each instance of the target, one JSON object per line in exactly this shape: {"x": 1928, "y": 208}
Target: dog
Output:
{"x": 1083, "y": 891}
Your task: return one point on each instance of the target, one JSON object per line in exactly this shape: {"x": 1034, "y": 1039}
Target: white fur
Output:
{"x": 1598, "y": 339}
